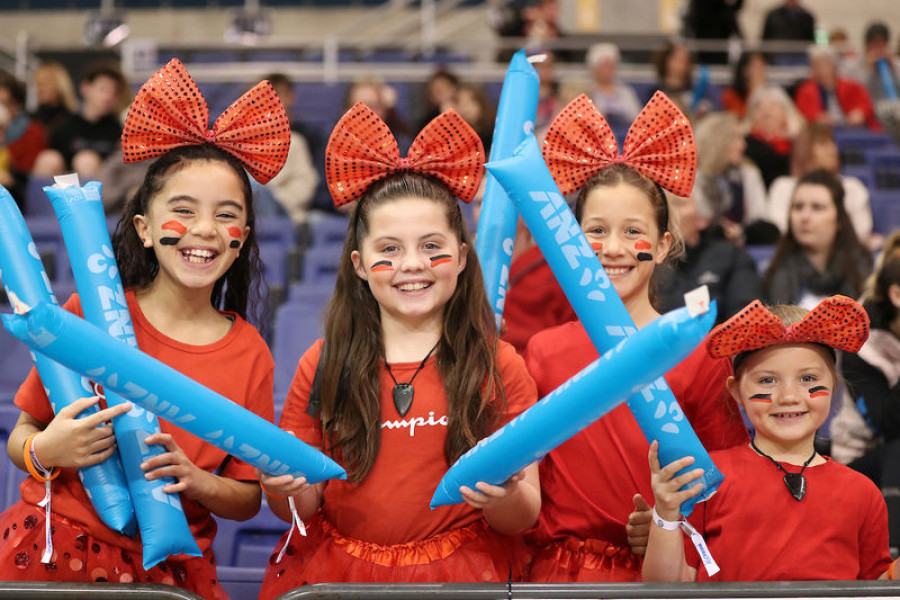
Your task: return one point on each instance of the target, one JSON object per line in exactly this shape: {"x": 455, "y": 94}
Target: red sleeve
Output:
{"x": 874, "y": 556}
{"x": 535, "y": 362}
{"x": 259, "y": 402}
{"x": 24, "y": 150}
{"x": 518, "y": 385}
{"x": 852, "y": 95}
{"x": 31, "y": 397}
{"x": 808, "y": 101}
{"x": 294, "y": 416}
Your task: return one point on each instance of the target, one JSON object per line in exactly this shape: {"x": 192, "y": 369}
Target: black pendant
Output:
{"x": 403, "y": 397}
{"x": 795, "y": 482}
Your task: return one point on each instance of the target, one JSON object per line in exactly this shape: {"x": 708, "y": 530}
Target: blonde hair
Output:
{"x": 714, "y": 135}
{"x": 64, "y": 87}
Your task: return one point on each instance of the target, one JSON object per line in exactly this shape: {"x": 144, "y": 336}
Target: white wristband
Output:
{"x": 667, "y": 525}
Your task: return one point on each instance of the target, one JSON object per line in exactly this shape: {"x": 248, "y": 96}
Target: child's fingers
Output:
{"x": 641, "y": 505}
{"x": 97, "y": 457}
{"x": 107, "y": 414}
{"x": 494, "y": 491}
{"x": 73, "y": 410}
{"x": 669, "y": 471}
{"x": 653, "y": 457}
{"x": 154, "y": 462}
{"x": 474, "y": 498}
{"x": 686, "y": 478}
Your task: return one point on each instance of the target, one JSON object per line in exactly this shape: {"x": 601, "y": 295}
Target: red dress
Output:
{"x": 839, "y": 531}
{"x": 240, "y": 367}
{"x": 381, "y": 529}
{"x": 587, "y": 483}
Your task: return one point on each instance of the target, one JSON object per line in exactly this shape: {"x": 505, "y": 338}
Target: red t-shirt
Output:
{"x": 534, "y": 300}
{"x": 587, "y": 483}
{"x": 239, "y": 366}
{"x": 390, "y": 506}
{"x": 757, "y": 531}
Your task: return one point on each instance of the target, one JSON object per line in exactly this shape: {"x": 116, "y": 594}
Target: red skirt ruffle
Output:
{"x": 575, "y": 560}
{"x": 475, "y": 553}
{"x": 80, "y": 557}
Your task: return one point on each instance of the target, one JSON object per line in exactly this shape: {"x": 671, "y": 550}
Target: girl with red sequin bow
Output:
{"x": 410, "y": 375}
{"x": 591, "y": 483}
{"x": 784, "y": 512}
{"x": 188, "y": 260}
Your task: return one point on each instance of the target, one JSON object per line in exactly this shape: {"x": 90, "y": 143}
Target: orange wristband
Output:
{"x": 30, "y": 460}
{"x": 268, "y": 493}
{"x": 892, "y": 571}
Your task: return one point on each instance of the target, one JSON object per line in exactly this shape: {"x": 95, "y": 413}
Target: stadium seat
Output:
{"x": 241, "y": 582}
{"x": 885, "y": 166}
{"x": 761, "y": 255}
{"x": 296, "y": 328}
{"x": 328, "y": 230}
{"x": 853, "y": 144}
{"x": 10, "y": 475}
{"x": 37, "y": 204}
{"x": 48, "y": 238}
{"x": 320, "y": 263}
{"x": 247, "y": 543}
{"x": 885, "y": 210}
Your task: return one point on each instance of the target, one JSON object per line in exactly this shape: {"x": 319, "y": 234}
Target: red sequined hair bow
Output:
{"x": 659, "y": 144}
{"x": 169, "y": 112}
{"x": 839, "y": 322}
{"x": 362, "y": 150}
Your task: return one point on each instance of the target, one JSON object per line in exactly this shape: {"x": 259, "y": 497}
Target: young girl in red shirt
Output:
{"x": 188, "y": 259}
{"x": 410, "y": 375}
{"x": 591, "y": 483}
{"x": 784, "y": 512}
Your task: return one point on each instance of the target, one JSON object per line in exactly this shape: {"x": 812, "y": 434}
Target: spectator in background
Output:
{"x": 727, "y": 270}
{"x": 83, "y": 141}
{"x": 816, "y": 149}
{"x": 473, "y": 105}
{"x": 549, "y": 102}
{"x": 24, "y": 138}
{"x": 790, "y": 21}
{"x": 773, "y": 123}
{"x": 847, "y": 55}
{"x": 827, "y": 97}
{"x": 749, "y": 75}
{"x": 6, "y": 177}
{"x": 440, "y": 89}
{"x": 729, "y": 190}
{"x": 820, "y": 255}
{"x": 295, "y": 185}
{"x": 56, "y": 101}
{"x": 713, "y": 20}
{"x": 868, "y": 420}
{"x": 616, "y": 101}
{"x": 674, "y": 67}
{"x": 876, "y": 48}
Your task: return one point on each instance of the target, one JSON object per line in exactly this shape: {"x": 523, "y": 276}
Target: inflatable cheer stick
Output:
{"x": 581, "y": 276}
{"x": 498, "y": 219}
{"x": 173, "y": 396}
{"x": 596, "y": 390}
{"x": 160, "y": 516}
{"x": 24, "y": 278}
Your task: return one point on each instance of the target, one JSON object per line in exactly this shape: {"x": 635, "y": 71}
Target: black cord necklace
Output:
{"x": 403, "y": 392}
{"x": 795, "y": 482}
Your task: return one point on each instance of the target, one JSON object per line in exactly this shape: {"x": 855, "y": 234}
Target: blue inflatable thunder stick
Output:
{"x": 24, "y": 279}
{"x": 531, "y": 187}
{"x": 160, "y": 516}
{"x": 172, "y": 395}
{"x": 596, "y": 390}
{"x": 497, "y": 222}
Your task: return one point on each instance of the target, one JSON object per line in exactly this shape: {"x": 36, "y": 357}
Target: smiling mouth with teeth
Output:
{"x": 616, "y": 270}
{"x": 195, "y": 255}
{"x": 792, "y": 415}
{"x": 412, "y": 287}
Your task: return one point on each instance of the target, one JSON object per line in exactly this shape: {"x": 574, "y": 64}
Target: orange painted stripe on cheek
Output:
{"x": 642, "y": 245}
{"x": 440, "y": 259}
{"x": 596, "y": 246}
{"x": 382, "y": 265}
{"x": 818, "y": 391}
{"x": 234, "y": 232}
{"x": 174, "y": 226}
{"x": 767, "y": 398}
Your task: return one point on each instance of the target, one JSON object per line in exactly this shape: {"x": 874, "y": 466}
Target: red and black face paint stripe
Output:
{"x": 761, "y": 398}
{"x": 818, "y": 391}
{"x": 172, "y": 226}
{"x": 440, "y": 259}
{"x": 235, "y": 232}
{"x": 643, "y": 245}
{"x": 382, "y": 265}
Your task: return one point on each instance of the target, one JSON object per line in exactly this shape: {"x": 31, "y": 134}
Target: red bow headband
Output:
{"x": 169, "y": 112}
{"x": 838, "y": 322}
{"x": 362, "y": 150}
{"x": 659, "y": 144}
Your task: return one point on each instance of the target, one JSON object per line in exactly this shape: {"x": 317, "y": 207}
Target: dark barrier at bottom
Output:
{"x": 36, "y": 590}
{"x": 610, "y": 591}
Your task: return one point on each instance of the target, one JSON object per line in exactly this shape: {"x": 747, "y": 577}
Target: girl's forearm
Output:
{"x": 517, "y": 513}
{"x": 664, "y": 559}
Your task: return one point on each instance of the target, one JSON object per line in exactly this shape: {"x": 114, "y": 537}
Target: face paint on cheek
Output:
{"x": 172, "y": 226}
{"x": 761, "y": 398}
{"x": 235, "y": 232}
{"x": 818, "y": 392}
{"x": 643, "y": 245}
{"x": 382, "y": 265}
{"x": 440, "y": 259}
{"x": 597, "y": 246}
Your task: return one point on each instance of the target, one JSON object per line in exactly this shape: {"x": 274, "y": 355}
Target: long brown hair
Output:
{"x": 846, "y": 247}
{"x": 876, "y": 298}
{"x": 354, "y": 344}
